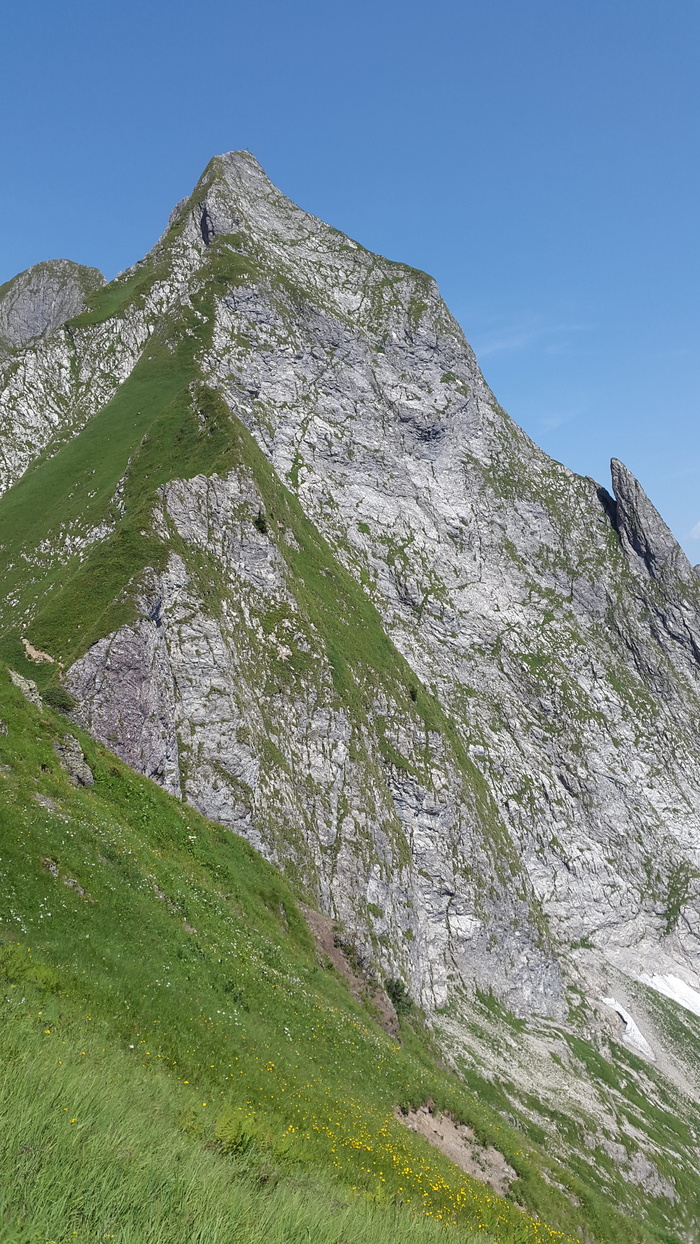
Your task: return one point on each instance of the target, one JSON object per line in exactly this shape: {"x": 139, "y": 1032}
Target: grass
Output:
{"x": 94, "y": 1146}
{"x": 158, "y": 426}
{"x": 72, "y": 491}
{"x": 153, "y": 962}
{"x": 113, "y": 298}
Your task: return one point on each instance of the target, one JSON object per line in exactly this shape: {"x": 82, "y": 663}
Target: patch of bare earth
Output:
{"x": 331, "y": 949}
{"x": 459, "y": 1144}
{"x": 35, "y": 654}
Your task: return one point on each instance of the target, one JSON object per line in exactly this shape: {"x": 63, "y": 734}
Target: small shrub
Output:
{"x": 58, "y": 698}
{"x": 260, "y": 522}
{"x": 241, "y": 1134}
{"x": 234, "y": 1133}
{"x": 400, "y": 996}
{"x": 189, "y": 1122}
{"x": 352, "y": 955}
{"x": 236, "y": 994}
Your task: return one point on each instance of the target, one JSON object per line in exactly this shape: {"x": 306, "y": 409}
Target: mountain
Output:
{"x": 37, "y": 301}
{"x": 266, "y": 525}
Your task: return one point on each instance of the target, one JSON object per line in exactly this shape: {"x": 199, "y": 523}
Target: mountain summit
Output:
{"x": 295, "y": 564}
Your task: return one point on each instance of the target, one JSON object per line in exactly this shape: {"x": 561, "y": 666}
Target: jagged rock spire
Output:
{"x": 643, "y": 533}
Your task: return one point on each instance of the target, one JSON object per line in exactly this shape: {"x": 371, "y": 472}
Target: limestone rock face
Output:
{"x": 44, "y": 297}
{"x": 642, "y": 530}
{"x": 70, "y": 754}
{"x": 238, "y": 713}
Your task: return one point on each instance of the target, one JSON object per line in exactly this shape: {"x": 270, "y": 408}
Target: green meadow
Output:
{"x": 181, "y": 1063}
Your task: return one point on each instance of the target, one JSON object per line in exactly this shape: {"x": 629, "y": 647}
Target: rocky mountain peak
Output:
{"x": 646, "y": 538}
{"x": 234, "y": 195}
{"x": 236, "y": 210}
{"x": 40, "y": 299}
{"x": 237, "y": 192}
{"x": 298, "y": 567}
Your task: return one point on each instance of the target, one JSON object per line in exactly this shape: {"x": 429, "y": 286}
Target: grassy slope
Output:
{"x": 183, "y": 974}
{"x": 157, "y": 427}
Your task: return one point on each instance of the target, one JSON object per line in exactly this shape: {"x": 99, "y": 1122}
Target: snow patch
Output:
{"x": 631, "y": 1035}
{"x": 673, "y": 987}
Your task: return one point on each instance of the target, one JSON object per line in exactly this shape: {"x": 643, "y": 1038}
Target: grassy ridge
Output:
{"x": 70, "y": 493}
{"x": 152, "y": 430}
{"x": 153, "y": 948}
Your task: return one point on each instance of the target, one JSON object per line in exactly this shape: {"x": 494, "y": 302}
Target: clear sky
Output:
{"x": 538, "y": 157}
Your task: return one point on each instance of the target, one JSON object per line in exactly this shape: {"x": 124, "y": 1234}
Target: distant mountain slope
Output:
{"x": 297, "y": 566}
{"x": 41, "y": 299}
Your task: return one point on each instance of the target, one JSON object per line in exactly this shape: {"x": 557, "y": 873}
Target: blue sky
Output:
{"x": 538, "y": 157}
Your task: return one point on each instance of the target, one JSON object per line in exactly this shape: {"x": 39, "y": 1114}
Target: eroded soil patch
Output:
{"x": 459, "y": 1144}
{"x": 361, "y": 987}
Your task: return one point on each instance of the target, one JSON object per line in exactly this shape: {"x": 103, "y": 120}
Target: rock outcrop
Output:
{"x": 28, "y": 688}
{"x": 41, "y": 299}
{"x": 71, "y": 756}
